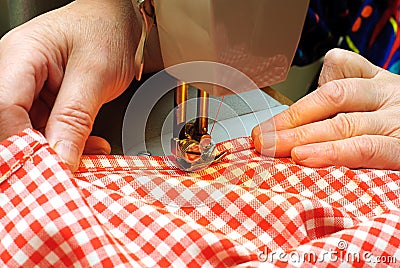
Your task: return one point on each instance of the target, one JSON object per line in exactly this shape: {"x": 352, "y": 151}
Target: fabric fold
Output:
{"x": 137, "y": 211}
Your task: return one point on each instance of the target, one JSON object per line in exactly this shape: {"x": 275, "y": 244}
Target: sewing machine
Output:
{"x": 248, "y": 45}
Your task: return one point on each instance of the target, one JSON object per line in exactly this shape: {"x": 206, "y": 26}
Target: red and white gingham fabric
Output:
{"x": 246, "y": 211}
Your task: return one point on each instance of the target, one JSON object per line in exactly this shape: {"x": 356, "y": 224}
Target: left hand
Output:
{"x": 58, "y": 69}
{"x": 352, "y": 119}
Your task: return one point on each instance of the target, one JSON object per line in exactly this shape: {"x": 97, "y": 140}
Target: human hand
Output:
{"x": 352, "y": 119}
{"x": 59, "y": 68}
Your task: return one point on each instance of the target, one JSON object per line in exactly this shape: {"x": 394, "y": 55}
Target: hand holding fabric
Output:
{"x": 58, "y": 69}
{"x": 352, "y": 119}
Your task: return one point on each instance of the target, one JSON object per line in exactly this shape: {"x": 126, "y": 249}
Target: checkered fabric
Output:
{"x": 247, "y": 211}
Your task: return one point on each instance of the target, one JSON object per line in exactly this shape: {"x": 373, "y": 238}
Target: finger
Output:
{"x": 339, "y": 96}
{"x": 24, "y": 68}
{"x": 75, "y": 108}
{"x": 340, "y": 64}
{"x": 17, "y": 89}
{"x": 96, "y": 145}
{"x": 13, "y": 119}
{"x": 357, "y": 152}
{"x": 342, "y": 126}
{"x": 21, "y": 76}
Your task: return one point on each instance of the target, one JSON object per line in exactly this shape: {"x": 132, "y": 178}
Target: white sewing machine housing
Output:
{"x": 255, "y": 37}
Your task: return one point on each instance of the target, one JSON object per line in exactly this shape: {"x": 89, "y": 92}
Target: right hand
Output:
{"x": 352, "y": 119}
{"x": 58, "y": 69}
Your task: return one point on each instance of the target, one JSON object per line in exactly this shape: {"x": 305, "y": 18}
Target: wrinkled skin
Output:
{"x": 352, "y": 119}
{"x": 58, "y": 69}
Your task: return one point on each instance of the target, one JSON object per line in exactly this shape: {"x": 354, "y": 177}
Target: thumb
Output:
{"x": 341, "y": 64}
{"x": 74, "y": 111}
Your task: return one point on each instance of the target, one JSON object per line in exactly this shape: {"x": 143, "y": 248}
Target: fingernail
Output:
{"x": 268, "y": 143}
{"x": 101, "y": 152}
{"x": 256, "y": 132}
{"x": 96, "y": 152}
{"x": 68, "y": 152}
{"x": 267, "y": 126}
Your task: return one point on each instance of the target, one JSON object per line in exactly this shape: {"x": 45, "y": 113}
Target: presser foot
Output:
{"x": 192, "y": 155}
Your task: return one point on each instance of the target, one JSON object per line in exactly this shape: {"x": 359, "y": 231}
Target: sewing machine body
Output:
{"x": 256, "y": 37}
{"x": 236, "y": 46}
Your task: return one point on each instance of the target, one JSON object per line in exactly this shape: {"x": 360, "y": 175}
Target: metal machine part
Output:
{"x": 252, "y": 45}
{"x": 191, "y": 143}
{"x": 146, "y": 9}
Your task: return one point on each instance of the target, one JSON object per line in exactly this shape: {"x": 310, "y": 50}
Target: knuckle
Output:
{"x": 291, "y": 117}
{"x": 390, "y": 125}
{"x": 334, "y": 93}
{"x": 333, "y": 152}
{"x": 301, "y": 135}
{"x": 365, "y": 147}
{"x": 342, "y": 125}
{"x": 79, "y": 121}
